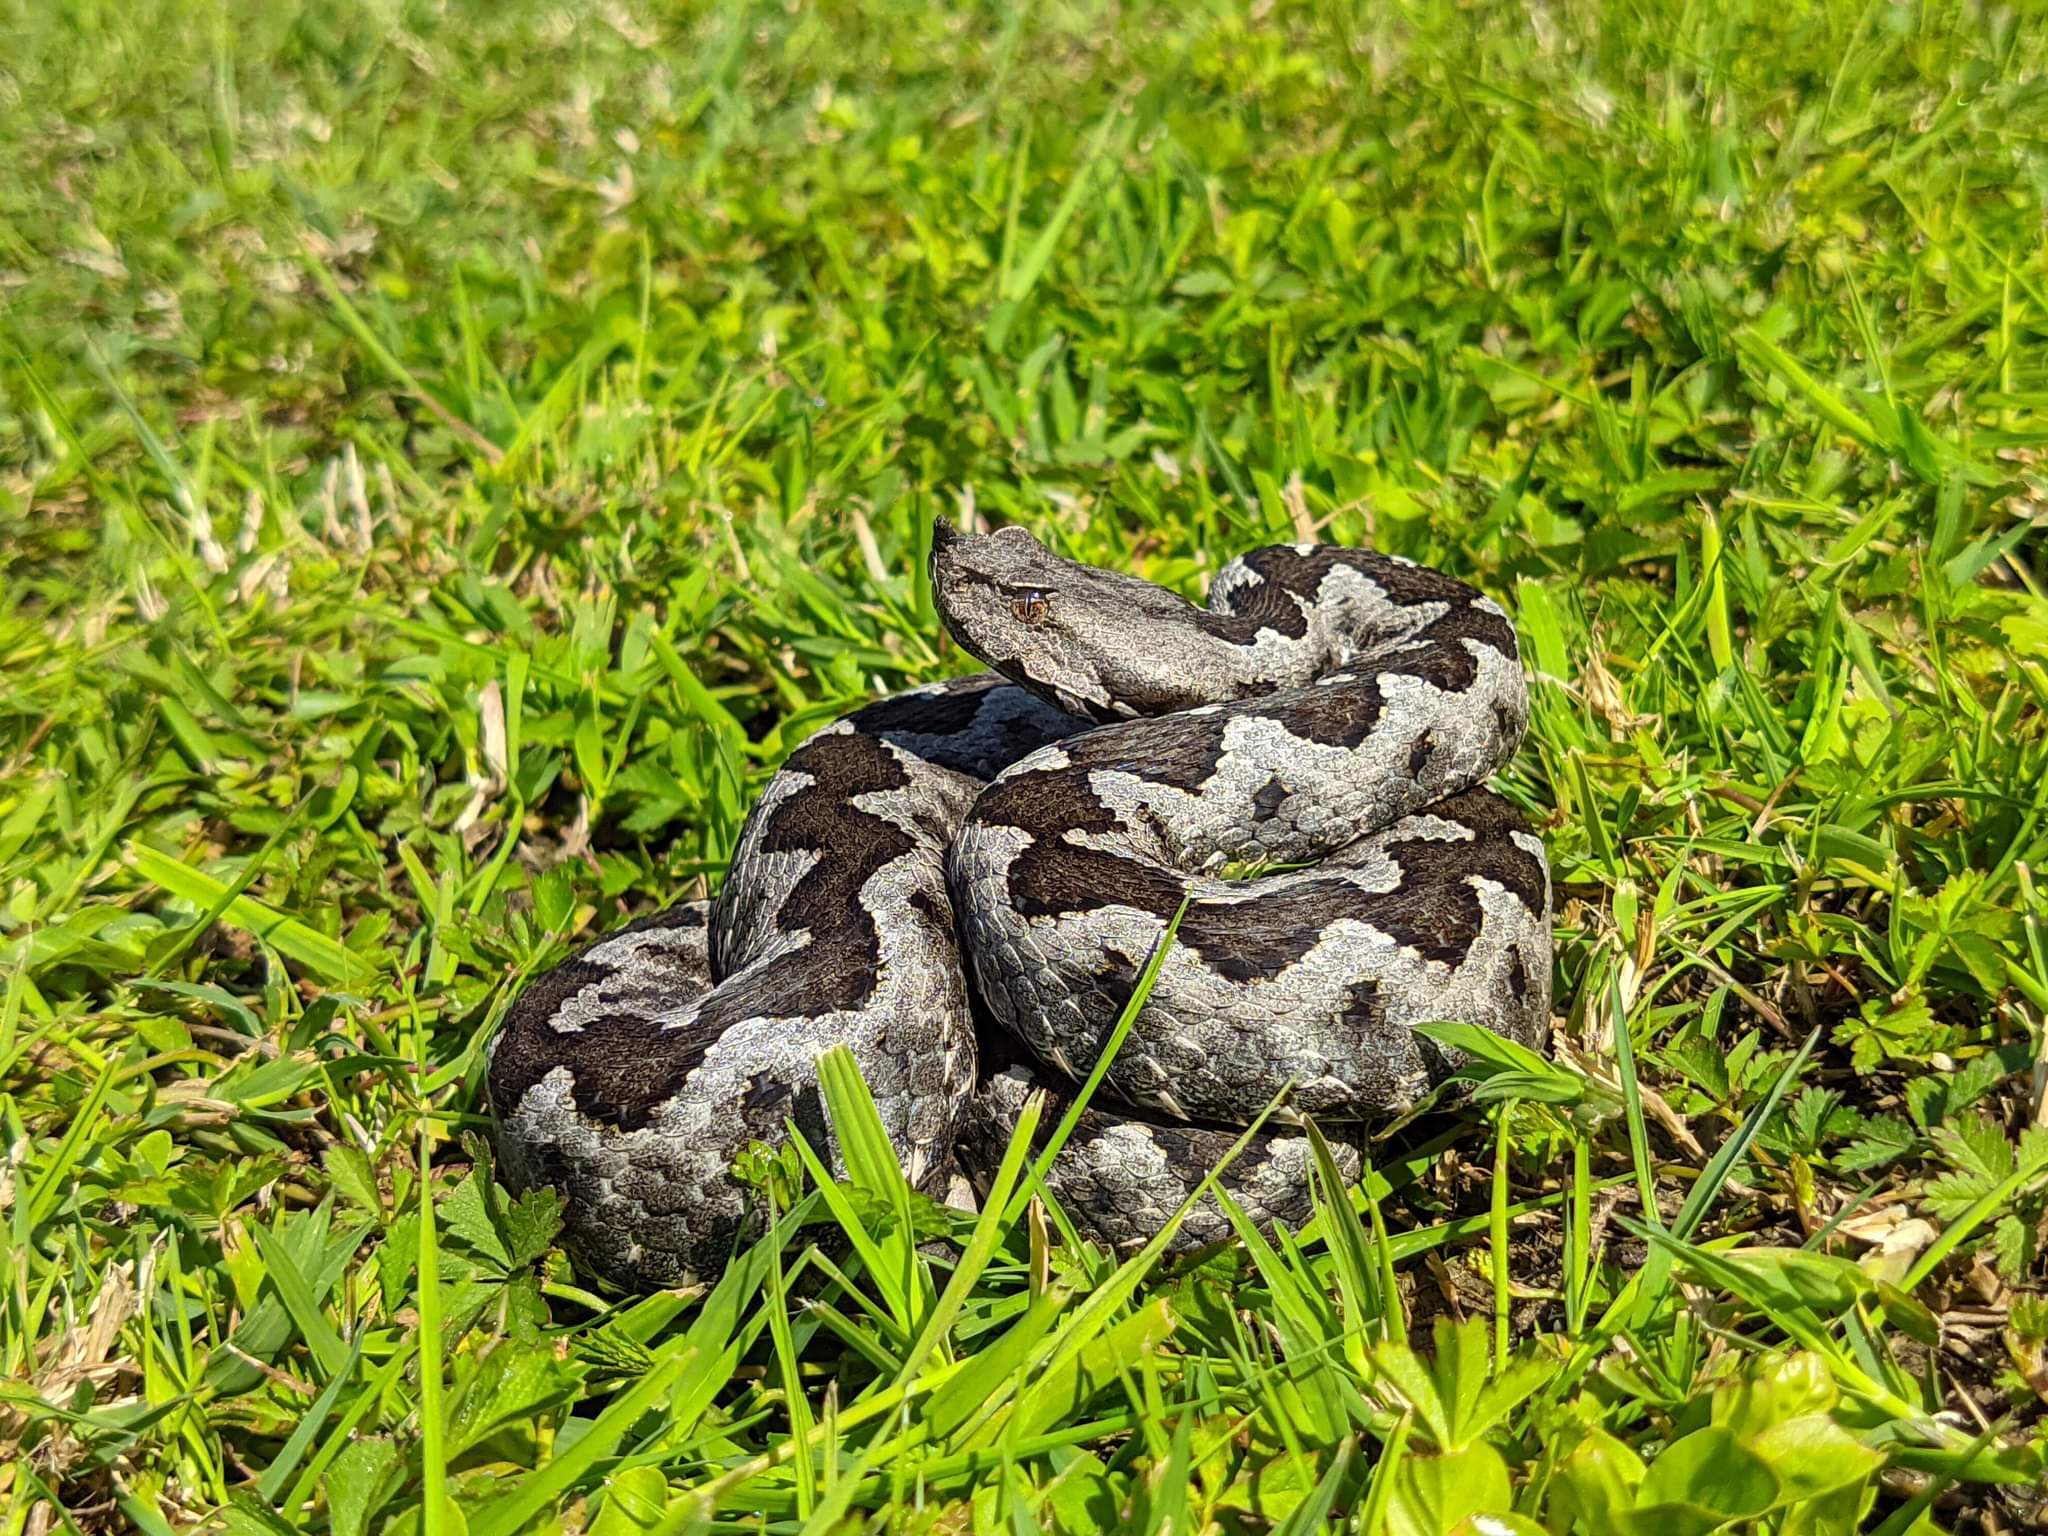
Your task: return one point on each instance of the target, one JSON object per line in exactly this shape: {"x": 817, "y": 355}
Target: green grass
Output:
{"x": 450, "y": 453}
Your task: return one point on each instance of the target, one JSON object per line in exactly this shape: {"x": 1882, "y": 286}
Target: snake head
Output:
{"x": 1073, "y": 634}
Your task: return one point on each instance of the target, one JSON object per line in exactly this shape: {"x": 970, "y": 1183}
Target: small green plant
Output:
{"x": 1763, "y": 1451}
{"x": 1449, "y": 1475}
{"x": 1992, "y": 1182}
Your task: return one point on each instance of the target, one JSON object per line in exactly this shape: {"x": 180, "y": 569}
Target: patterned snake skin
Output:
{"x": 1325, "y": 725}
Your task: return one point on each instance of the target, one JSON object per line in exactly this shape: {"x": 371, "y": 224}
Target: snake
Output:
{"x": 965, "y": 883}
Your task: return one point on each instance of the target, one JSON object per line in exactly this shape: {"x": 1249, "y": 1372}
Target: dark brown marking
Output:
{"x": 1267, "y": 802}
{"x": 1362, "y": 1009}
{"x": 1182, "y": 757}
{"x": 766, "y": 1095}
{"x": 1435, "y": 911}
{"x": 930, "y": 908}
{"x": 630, "y": 1060}
{"x": 1329, "y": 714}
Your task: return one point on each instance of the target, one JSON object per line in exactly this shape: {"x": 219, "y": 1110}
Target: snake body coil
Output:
{"x": 1327, "y": 719}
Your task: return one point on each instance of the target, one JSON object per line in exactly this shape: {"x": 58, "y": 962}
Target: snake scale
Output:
{"x": 963, "y": 883}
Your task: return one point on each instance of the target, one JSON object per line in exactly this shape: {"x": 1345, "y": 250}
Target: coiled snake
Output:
{"x": 1328, "y": 719}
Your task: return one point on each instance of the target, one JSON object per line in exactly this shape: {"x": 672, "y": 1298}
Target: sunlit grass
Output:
{"x": 449, "y": 456}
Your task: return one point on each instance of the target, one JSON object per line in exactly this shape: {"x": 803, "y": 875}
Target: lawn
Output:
{"x": 450, "y": 453}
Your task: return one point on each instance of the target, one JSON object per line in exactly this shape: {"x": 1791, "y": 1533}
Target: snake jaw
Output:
{"x": 1100, "y": 644}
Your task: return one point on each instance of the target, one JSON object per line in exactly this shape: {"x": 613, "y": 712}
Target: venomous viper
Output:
{"x": 1010, "y": 847}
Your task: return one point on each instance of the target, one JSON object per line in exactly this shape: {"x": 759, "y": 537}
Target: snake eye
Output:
{"x": 1032, "y": 607}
